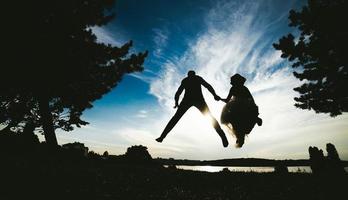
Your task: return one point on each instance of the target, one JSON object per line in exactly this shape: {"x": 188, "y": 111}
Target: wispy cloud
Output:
{"x": 143, "y": 76}
{"x": 142, "y": 114}
{"x": 236, "y": 41}
{"x": 238, "y": 38}
{"x": 160, "y": 39}
{"x": 105, "y": 36}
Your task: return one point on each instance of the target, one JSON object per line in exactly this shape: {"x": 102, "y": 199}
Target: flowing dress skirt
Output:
{"x": 239, "y": 115}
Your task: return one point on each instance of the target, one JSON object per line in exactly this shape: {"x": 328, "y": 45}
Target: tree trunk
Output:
{"x": 47, "y": 121}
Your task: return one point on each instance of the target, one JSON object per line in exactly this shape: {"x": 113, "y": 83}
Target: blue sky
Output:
{"x": 216, "y": 39}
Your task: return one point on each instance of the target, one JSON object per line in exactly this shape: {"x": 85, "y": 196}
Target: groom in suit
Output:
{"x": 193, "y": 97}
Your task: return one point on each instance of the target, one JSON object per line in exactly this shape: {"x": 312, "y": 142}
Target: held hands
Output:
{"x": 217, "y": 97}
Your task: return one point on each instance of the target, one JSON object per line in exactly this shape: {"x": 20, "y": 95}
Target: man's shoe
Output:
{"x": 159, "y": 139}
{"x": 225, "y": 142}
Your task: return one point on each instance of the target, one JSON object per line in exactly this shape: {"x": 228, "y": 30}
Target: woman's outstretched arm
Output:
{"x": 229, "y": 96}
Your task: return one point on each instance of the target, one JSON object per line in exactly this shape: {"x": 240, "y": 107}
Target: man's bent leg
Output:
{"x": 203, "y": 107}
{"x": 172, "y": 122}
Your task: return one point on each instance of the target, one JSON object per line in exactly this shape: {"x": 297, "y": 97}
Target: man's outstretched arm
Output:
{"x": 178, "y": 93}
{"x": 210, "y": 88}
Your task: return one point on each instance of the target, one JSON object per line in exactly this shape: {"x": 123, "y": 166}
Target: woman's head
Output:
{"x": 237, "y": 79}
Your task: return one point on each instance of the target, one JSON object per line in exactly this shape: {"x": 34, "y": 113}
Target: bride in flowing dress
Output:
{"x": 240, "y": 114}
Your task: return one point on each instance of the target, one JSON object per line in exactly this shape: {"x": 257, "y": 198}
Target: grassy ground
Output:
{"x": 35, "y": 172}
{"x": 97, "y": 180}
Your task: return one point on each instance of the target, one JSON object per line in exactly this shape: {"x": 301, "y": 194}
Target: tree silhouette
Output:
{"x": 332, "y": 153}
{"x": 138, "y": 153}
{"x": 320, "y": 55}
{"x": 106, "y": 154}
{"x": 55, "y": 68}
{"x": 316, "y": 157}
{"x": 331, "y": 164}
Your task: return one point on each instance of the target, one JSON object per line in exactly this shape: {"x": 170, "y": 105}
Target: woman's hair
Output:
{"x": 237, "y": 79}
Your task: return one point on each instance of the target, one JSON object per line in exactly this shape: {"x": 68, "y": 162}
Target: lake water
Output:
{"x": 303, "y": 169}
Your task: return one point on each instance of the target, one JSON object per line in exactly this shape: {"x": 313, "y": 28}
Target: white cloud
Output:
{"x": 142, "y": 76}
{"x": 160, "y": 39}
{"x": 235, "y": 41}
{"x": 104, "y": 36}
{"x": 142, "y": 114}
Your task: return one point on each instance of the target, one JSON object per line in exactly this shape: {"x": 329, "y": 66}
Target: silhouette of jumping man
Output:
{"x": 193, "y": 97}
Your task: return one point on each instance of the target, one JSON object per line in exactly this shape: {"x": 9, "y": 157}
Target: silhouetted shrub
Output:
{"x": 105, "y": 154}
{"x": 138, "y": 153}
{"x": 76, "y": 148}
{"x": 93, "y": 155}
{"x": 316, "y": 158}
{"x": 332, "y": 153}
{"x": 281, "y": 169}
{"x": 172, "y": 167}
{"x": 331, "y": 164}
{"x": 333, "y": 160}
{"x": 225, "y": 170}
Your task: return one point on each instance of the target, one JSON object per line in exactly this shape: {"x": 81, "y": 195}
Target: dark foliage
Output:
{"x": 281, "y": 169}
{"x": 31, "y": 171}
{"x": 138, "y": 153}
{"x": 326, "y": 165}
{"x": 106, "y": 154}
{"x": 320, "y": 55}
{"x": 333, "y": 160}
{"x": 67, "y": 176}
{"x": 316, "y": 157}
{"x": 54, "y": 68}
{"x": 76, "y": 148}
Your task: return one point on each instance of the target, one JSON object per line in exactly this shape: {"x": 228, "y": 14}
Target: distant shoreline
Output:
{"x": 239, "y": 162}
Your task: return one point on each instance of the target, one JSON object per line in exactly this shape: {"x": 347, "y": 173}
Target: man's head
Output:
{"x": 191, "y": 73}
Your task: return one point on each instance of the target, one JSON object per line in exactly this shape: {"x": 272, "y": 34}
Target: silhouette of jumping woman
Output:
{"x": 193, "y": 97}
{"x": 240, "y": 110}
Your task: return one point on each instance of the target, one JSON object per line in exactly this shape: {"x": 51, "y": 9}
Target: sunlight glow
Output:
{"x": 236, "y": 38}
